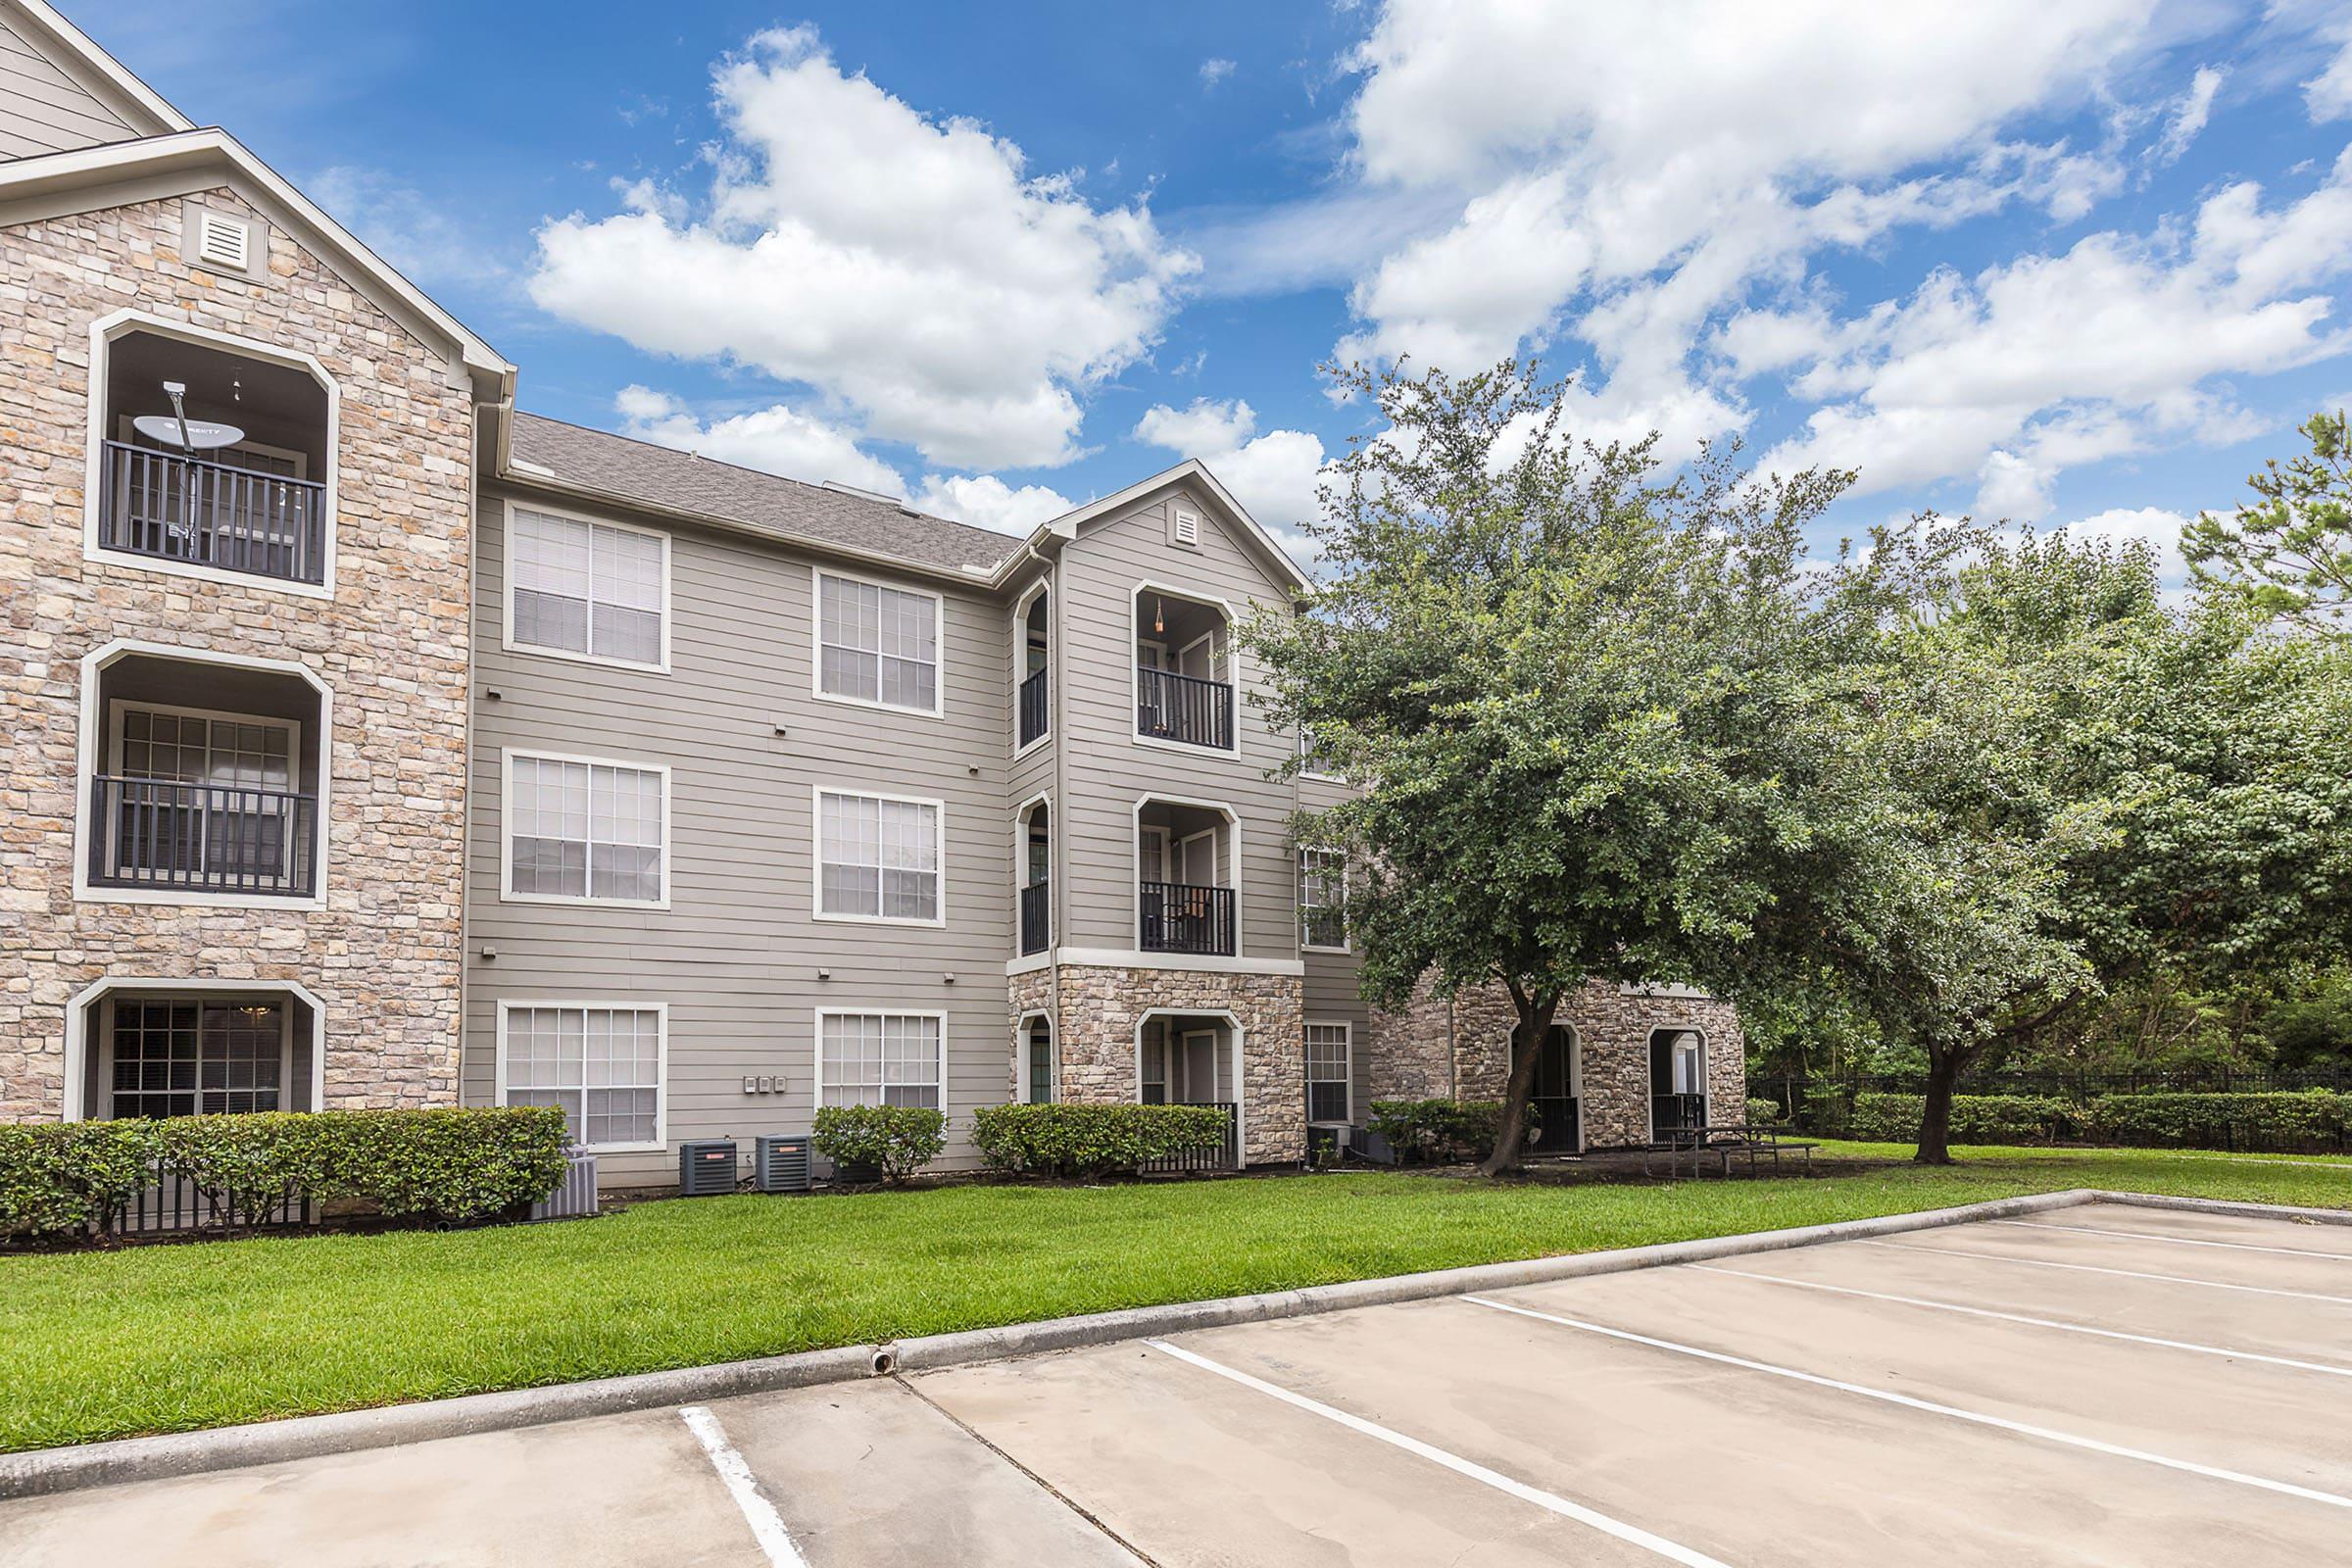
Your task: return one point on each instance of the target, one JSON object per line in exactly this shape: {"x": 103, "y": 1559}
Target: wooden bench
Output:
{"x": 1725, "y": 1143}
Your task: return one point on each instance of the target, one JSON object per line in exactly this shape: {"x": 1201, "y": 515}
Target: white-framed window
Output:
{"x": 877, "y": 645}
{"x": 1323, "y": 900}
{"x": 587, "y": 590}
{"x": 586, "y": 830}
{"x": 1327, "y": 1080}
{"x": 600, "y": 1063}
{"x": 1311, "y": 764}
{"x": 879, "y": 857}
{"x": 881, "y": 1058}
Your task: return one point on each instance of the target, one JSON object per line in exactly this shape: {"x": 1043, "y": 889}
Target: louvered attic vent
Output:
{"x": 1187, "y": 528}
{"x": 223, "y": 242}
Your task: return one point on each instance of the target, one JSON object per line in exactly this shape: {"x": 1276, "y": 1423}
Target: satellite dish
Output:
{"x": 202, "y": 434}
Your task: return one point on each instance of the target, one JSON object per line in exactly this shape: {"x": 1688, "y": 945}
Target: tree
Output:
{"x": 2164, "y": 790}
{"x": 2289, "y": 551}
{"x": 1607, "y": 719}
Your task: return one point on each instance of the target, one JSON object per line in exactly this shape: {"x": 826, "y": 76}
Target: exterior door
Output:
{"x": 1558, "y": 1096}
{"x": 1677, "y": 1080}
{"x": 1201, "y": 1066}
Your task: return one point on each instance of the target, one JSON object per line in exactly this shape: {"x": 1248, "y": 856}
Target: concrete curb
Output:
{"x": 2229, "y": 1206}
{"x": 101, "y": 1464}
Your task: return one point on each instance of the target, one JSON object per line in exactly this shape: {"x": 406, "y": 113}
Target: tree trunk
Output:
{"x": 1935, "y": 1114}
{"x": 1527, "y": 1049}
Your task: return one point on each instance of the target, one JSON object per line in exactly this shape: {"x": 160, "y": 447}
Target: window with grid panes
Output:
{"x": 877, "y": 859}
{"x": 880, "y": 1058}
{"x": 1327, "y": 1072}
{"x": 602, "y": 1066}
{"x": 877, "y": 645}
{"x": 178, "y": 1056}
{"x": 587, "y": 588}
{"x": 586, "y": 830}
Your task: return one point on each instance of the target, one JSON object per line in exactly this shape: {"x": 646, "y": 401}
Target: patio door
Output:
{"x": 203, "y": 796}
{"x": 1558, "y": 1095}
{"x": 1199, "y": 1046}
{"x": 1678, "y": 1079}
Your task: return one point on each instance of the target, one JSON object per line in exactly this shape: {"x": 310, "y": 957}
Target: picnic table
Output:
{"x": 1724, "y": 1143}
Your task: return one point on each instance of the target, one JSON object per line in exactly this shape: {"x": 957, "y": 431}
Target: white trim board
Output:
{"x": 507, "y": 756}
{"x": 85, "y": 1002}
{"x": 507, "y": 637}
{"x": 660, "y": 1012}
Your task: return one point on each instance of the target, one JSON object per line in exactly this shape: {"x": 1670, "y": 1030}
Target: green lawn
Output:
{"x": 173, "y": 1338}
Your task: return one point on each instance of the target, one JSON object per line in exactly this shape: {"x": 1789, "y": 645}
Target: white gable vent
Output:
{"x": 223, "y": 242}
{"x": 1188, "y": 527}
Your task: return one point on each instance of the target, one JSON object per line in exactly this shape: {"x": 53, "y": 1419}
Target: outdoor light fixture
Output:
{"x": 1159, "y": 617}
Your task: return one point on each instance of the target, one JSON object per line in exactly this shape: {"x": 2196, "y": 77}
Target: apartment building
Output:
{"x": 376, "y": 742}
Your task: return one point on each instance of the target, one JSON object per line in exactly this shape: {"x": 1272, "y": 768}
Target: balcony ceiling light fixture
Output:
{"x": 1159, "y": 617}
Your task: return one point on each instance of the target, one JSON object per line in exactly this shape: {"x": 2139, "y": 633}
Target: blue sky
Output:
{"x": 2075, "y": 262}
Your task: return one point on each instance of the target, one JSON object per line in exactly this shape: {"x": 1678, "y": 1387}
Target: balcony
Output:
{"x": 172, "y": 506}
{"x": 1189, "y": 919}
{"x": 1037, "y": 917}
{"x": 167, "y": 834}
{"x": 1188, "y": 709}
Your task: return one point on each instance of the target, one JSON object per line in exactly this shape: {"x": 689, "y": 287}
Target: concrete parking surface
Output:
{"x": 2099, "y": 1385}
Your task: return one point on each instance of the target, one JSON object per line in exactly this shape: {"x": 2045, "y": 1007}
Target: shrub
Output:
{"x": 2313, "y": 1117}
{"x": 1448, "y": 1131}
{"x": 899, "y": 1139}
{"x": 1763, "y": 1112}
{"x": 1091, "y": 1140}
{"x": 445, "y": 1164}
{"x": 1976, "y": 1118}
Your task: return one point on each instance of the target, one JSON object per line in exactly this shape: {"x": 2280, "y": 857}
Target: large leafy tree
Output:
{"x": 2168, "y": 790}
{"x": 2288, "y": 552}
{"x": 1613, "y": 724}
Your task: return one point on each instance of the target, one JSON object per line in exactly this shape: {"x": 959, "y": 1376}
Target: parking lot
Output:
{"x": 2094, "y": 1385}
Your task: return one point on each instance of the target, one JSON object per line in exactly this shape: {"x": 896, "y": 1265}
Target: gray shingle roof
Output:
{"x": 666, "y": 477}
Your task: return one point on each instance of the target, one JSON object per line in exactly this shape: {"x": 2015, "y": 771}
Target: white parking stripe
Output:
{"x": 1889, "y": 1396}
{"x": 2093, "y": 1268}
{"x": 2176, "y": 1241}
{"x": 1632, "y": 1534}
{"x": 2036, "y": 1322}
{"x": 768, "y": 1527}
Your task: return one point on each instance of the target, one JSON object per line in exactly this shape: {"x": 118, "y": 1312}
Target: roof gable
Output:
{"x": 64, "y": 91}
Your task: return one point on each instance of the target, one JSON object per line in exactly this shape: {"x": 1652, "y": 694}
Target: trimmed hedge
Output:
{"x": 1976, "y": 1118}
{"x": 1444, "y": 1131}
{"x": 1091, "y": 1140}
{"x": 447, "y": 1164}
{"x": 1763, "y": 1112}
{"x": 2311, "y": 1118}
{"x": 897, "y": 1139}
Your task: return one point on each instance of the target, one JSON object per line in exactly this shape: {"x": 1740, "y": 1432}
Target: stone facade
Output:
{"x": 383, "y": 954}
{"x": 1461, "y": 1049}
{"x": 1100, "y": 1009}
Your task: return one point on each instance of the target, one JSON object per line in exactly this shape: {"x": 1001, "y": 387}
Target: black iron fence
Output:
{"x": 178, "y": 507}
{"x": 173, "y": 1203}
{"x": 161, "y": 833}
{"x": 1182, "y": 917}
{"x": 1223, "y": 1155}
{"x": 1037, "y": 911}
{"x": 1033, "y": 707}
{"x": 1170, "y": 706}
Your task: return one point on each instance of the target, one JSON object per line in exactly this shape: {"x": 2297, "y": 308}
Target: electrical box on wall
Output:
{"x": 763, "y": 1083}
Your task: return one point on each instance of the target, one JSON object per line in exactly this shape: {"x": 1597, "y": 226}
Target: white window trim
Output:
{"x": 1135, "y": 694}
{"x": 1021, "y": 1027}
{"x": 1706, "y": 1073}
{"x": 816, "y": 643}
{"x": 1347, "y": 943}
{"x": 90, "y": 743}
{"x": 817, "y": 1093}
{"x": 660, "y": 1012}
{"x": 1307, "y": 755}
{"x": 816, "y": 855}
{"x": 1020, "y": 871}
{"x": 82, "y": 1010}
{"x": 1236, "y": 1036}
{"x": 1232, "y": 869}
{"x": 506, "y": 829}
{"x": 102, "y": 332}
{"x": 1021, "y": 662}
{"x": 507, "y": 637}
{"x": 1347, "y": 1078}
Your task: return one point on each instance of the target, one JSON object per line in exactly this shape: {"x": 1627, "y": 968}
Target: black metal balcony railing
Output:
{"x": 202, "y": 838}
{"x": 1179, "y": 917}
{"x": 1170, "y": 706}
{"x": 1033, "y": 707}
{"x": 1036, "y": 917}
{"x": 1223, "y": 1155}
{"x": 178, "y": 508}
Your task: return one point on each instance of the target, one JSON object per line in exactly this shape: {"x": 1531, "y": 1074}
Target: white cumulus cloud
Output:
{"x": 773, "y": 440}
{"x": 1273, "y": 475}
{"x": 907, "y": 268}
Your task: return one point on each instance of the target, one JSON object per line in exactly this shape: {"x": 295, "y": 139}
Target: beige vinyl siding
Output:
{"x": 737, "y": 952}
{"x": 1331, "y": 997}
{"x": 42, "y": 109}
{"x": 1107, "y": 769}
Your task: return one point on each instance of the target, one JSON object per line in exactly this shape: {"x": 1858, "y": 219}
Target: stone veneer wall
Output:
{"x": 384, "y": 953}
{"x": 1094, "y": 1033}
{"x": 1435, "y": 1049}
